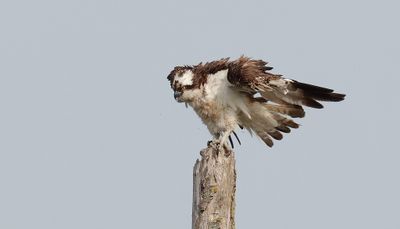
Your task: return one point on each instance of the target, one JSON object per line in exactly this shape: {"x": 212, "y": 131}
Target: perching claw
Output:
{"x": 237, "y": 138}
{"x": 230, "y": 140}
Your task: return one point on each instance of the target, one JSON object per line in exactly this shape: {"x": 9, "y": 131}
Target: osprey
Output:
{"x": 244, "y": 93}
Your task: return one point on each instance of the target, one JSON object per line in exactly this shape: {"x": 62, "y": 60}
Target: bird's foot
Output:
{"x": 215, "y": 143}
{"x": 220, "y": 147}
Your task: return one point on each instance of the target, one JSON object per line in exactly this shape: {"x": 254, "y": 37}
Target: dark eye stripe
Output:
{"x": 177, "y": 86}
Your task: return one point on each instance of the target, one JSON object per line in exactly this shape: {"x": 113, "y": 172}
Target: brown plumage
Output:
{"x": 226, "y": 94}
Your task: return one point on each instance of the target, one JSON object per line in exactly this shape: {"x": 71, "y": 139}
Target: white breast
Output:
{"x": 221, "y": 91}
{"x": 220, "y": 104}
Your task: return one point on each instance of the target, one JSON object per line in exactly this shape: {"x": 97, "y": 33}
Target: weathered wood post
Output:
{"x": 214, "y": 186}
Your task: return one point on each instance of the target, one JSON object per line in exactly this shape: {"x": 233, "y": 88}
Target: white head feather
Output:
{"x": 186, "y": 78}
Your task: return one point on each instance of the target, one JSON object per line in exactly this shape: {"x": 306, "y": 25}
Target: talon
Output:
{"x": 230, "y": 140}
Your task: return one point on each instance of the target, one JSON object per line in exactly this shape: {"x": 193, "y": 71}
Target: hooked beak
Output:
{"x": 177, "y": 94}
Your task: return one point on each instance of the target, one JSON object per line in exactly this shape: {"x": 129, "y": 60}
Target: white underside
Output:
{"x": 223, "y": 107}
{"x": 220, "y": 106}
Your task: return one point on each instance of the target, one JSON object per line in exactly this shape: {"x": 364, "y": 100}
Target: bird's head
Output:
{"x": 182, "y": 82}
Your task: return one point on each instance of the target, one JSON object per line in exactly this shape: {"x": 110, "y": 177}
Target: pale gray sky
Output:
{"x": 91, "y": 137}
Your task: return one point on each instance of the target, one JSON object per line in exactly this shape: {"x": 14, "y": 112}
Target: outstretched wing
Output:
{"x": 252, "y": 76}
{"x": 279, "y": 99}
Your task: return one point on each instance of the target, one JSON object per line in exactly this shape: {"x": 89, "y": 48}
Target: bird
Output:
{"x": 245, "y": 94}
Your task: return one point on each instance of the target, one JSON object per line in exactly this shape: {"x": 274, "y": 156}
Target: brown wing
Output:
{"x": 252, "y": 76}
{"x": 280, "y": 98}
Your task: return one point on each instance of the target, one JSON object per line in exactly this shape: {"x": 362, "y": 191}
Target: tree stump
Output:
{"x": 214, "y": 186}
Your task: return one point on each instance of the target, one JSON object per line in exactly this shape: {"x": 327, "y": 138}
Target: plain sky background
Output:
{"x": 91, "y": 137}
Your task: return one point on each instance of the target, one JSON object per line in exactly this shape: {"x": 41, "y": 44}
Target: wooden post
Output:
{"x": 214, "y": 186}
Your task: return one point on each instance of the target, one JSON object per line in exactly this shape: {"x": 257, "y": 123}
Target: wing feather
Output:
{"x": 253, "y": 76}
{"x": 280, "y": 98}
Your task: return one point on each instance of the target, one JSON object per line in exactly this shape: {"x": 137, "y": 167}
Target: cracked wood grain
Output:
{"x": 214, "y": 186}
